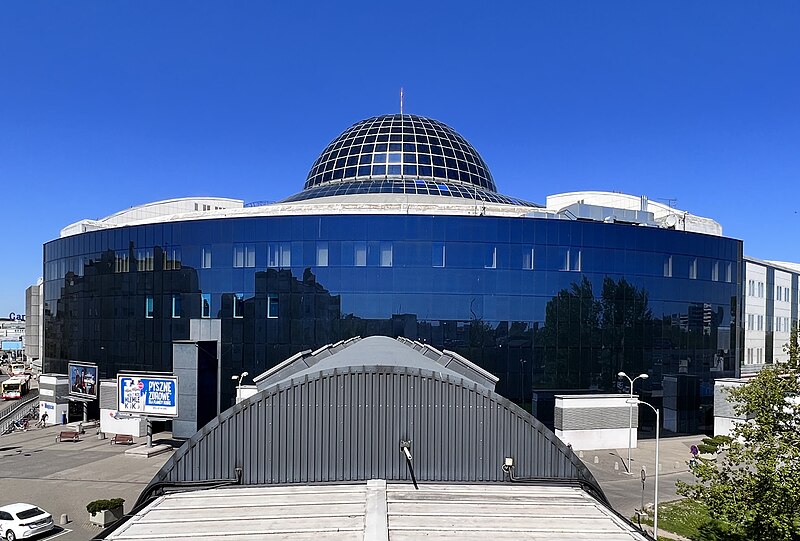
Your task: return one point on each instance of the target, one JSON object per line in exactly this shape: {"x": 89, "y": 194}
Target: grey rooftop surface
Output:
{"x": 379, "y": 511}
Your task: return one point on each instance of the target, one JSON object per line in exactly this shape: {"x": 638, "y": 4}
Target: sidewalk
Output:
{"x": 64, "y": 477}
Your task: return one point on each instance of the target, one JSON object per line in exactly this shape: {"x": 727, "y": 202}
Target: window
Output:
{"x": 668, "y": 266}
{"x": 751, "y": 288}
{"x": 527, "y": 258}
{"x": 244, "y": 255}
{"x": 280, "y": 255}
{"x": 148, "y": 306}
{"x": 758, "y": 351}
{"x": 490, "y": 257}
{"x": 273, "y": 306}
{"x": 176, "y": 306}
{"x": 172, "y": 258}
{"x": 206, "y": 257}
{"x": 749, "y": 355}
{"x": 750, "y": 322}
{"x": 693, "y": 269}
{"x": 760, "y": 322}
{"x": 360, "y": 254}
{"x": 205, "y": 305}
{"x": 144, "y": 260}
{"x": 322, "y": 254}
{"x": 778, "y": 323}
{"x": 386, "y": 254}
{"x": 121, "y": 261}
{"x": 761, "y": 290}
{"x": 437, "y": 254}
{"x": 728, "y": 272}
{"x": 571, "y": 260}
{"x": 715, "y": 271}
{"x": 238, "y": 305}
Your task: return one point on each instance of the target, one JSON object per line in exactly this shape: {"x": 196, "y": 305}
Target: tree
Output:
{"x": 752, "y": 489}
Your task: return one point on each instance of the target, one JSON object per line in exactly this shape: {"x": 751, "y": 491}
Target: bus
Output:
{"x": 15, "y": 388}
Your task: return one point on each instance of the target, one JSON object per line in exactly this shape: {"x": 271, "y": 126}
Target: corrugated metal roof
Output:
{"x": 377, "y": 511}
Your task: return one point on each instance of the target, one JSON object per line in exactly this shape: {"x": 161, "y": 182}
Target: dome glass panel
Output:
{"x": 399, "y": 147}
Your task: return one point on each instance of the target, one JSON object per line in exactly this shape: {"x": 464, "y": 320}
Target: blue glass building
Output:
{"x": 400, "y": 231}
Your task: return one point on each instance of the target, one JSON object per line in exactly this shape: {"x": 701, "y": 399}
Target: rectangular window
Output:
{"x": 668, "y": 266}
{"x": 205, "y": 305}
{"x": 172, "y": 258}
{"x": 144, "y": 260}
{"x": 527, "y": 258}
{"x": 386, "y": 254}
{"x": 176, "y": 306}
{"x": 750, "y": 322}
{"x": 238, "y": 305}
{"x": 148, "y": 306}
{"x": 322, "y": 254}
{"x": 751, "y": 288}
{"x": 759, "y": 355}
{"x": 280, "y": 255}
{"x": 437, "y": 254}
{"x": 121, "y": 261}
{"x": 715, "y": 271}
{"x": 273, "y": 306}
{"x": 760, "y": 322}
{"x": 575, "y": 260}
{"x": 490, "y": 258}
{"x": 761, "y": 290}
{"x": 206, "y": 257}
{"x": 728, "y": 272}
{"x": 360, "y": 254}
{"x": 749, "y": 355}
{"x": 244, "y": 255}
{"x": 693, "y": 269}
{"x": 778, "y": 323}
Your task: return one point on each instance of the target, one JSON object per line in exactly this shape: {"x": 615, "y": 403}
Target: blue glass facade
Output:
{"x": 546, "y": 305}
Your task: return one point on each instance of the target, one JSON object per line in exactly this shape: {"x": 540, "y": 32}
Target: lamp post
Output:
{"x": 658, "y": 425}
{"x": 630, "y": 413}
{"x": 239, "y": 377}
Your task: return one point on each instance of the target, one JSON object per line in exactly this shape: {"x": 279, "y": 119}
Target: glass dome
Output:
{"x": 400, "y": 147}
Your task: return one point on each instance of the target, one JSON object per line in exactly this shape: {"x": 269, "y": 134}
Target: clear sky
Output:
{"x": 106, "y": 105}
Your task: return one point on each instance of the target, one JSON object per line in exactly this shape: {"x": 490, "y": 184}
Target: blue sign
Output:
{"x": 148, "y": 395}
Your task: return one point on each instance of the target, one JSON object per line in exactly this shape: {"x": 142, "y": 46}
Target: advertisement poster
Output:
{"x": 83, "y": 380}
{"x": 148, "y": 395}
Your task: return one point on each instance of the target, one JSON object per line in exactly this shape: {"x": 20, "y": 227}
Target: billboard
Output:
{"x": 83, "y": 380}
{"x": 149, "y": 395}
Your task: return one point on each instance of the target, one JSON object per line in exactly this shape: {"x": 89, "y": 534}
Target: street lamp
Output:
{"x": 240, "y": 377}
{"x": 630, "y": 413}
{"x": 658, "y": 425}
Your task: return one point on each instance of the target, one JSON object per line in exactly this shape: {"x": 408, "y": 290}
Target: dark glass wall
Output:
{"x": 546, "y": 305}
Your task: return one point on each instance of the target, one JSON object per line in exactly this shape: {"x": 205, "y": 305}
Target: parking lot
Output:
{"x": 62, "y": 478}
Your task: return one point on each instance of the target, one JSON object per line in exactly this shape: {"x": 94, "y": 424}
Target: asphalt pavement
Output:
{"x": 62, "y": 478}
{"x": 623, "y": 490}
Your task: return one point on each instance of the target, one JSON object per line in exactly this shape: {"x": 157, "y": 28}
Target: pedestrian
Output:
{"x": 43, "y": 420}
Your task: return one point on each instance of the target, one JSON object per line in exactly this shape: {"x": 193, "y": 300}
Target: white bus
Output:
{"x": 15, "y": 388}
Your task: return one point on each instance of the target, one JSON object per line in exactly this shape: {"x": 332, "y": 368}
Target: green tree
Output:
{"x": 752, "y": 488}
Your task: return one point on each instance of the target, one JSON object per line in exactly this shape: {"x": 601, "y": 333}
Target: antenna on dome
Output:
{"x": 401, "y": 101}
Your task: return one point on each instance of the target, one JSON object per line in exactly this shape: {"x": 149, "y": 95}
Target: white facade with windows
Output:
{"x": 770, "y": 310}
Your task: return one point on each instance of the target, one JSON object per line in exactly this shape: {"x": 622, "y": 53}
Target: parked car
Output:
{"x": 23, "y": 521}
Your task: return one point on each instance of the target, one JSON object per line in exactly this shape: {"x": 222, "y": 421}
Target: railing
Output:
{"x": 27, "y": 405}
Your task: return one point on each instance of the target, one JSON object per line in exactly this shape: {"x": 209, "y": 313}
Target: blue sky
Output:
{"x": 105, "y": 105}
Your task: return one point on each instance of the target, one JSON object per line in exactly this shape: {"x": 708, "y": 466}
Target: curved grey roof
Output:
{"x": 346, "y": 424}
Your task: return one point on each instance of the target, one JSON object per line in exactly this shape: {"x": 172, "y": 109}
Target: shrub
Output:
{"x": 103, "y": 505}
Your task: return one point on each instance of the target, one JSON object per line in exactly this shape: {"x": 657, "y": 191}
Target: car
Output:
{"x": 23, "y": 521}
